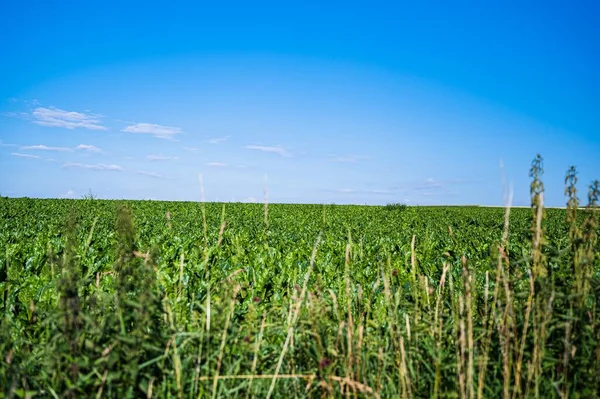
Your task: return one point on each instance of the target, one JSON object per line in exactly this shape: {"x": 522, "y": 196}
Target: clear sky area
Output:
{"x": 347, "y": 102}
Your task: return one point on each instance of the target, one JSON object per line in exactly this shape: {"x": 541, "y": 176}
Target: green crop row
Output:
{"x": 174, "y": 299}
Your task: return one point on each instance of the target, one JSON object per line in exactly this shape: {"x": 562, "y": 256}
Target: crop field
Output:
{"x": 143, "y": 299}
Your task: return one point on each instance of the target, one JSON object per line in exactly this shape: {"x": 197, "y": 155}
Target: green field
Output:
{"x": 171, "y": 299}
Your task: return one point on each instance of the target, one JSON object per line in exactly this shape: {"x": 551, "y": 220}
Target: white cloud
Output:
{"x": 160, "y": 158}
{"x": 274, "y": 149}
{"x": 42, "y": 147}
{"x": 99, "y": 166}
{"x": 3, "y": 144}
{"x": 16, "y": 154}
{"x": 380, "y": 192}
{"x": 192, "y": 149}
{"x": 88, "y": 147}
{"x": 346, "y": 190}
{"x": 55, "y": 117}
{"x": 218, "y": 140}
{"x": 19, "y": 115}
{"x": 218, "y": 164}
{"x": 69, "y": 194}
{"x": 151, "y": 174}
{"x": 347, "y": 159}
{"x": 158, "y": 131}
{"x": 429, "y": 184}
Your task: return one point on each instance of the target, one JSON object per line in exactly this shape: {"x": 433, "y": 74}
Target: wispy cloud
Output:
{"x": 19, "y": 115}
{"x": 16, "y": 154}
{"x": 192, "y": 149}
{"x": 151, "y": 174}
{"x": 99, "y": 166}
{"x": 218, "y": 140}
{"x": 379, "y": 192}
{"x": 55, "y": 117}
{"x": 3, "y": 144}
{"x": 42, "y": 147}
{"x": 158, "y": 131}
{"x": 160, "y": 158}
{"x": 88, "y": 147}
{"x": 69, "y": 194}
{"x": 429, "y": 184}
{"x": 217, "y": 164}
{"x": 347, "y": 158}
{"x": 277, "y": 149}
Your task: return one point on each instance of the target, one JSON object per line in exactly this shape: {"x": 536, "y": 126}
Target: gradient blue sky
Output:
{"x": 346, "y": 102}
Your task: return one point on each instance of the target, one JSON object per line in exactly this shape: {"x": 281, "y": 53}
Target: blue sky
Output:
{"x": 325, "y": 102}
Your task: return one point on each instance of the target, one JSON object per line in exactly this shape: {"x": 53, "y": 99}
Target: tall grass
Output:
{"x": 313, "y": 302}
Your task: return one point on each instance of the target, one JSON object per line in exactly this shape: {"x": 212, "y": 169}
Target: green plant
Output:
{"x": 90, "y": 196}
{"x": 172, "y": 299}
{"x": 397, "y": 206}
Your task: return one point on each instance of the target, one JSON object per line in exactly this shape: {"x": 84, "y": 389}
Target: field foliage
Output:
{"x": 172, "y": 299}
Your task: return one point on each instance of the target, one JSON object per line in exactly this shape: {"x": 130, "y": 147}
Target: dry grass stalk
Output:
{"x": 177, "y": 365}
{"x": 469, "y": 314}
{"x": 224, "y": 339}
{"x": 438, "y": 324}
{"x": 103, "y": 382}
{"x": 256, "y": 349}
{"x": 524, "y": 338}
{"x": 295, "y": 316}
{"x": 505, "y": 330}
{"x": 221, "y": 231}
{"x": 350, "y": 329}
{"x": 407, "y": 391}
{"x": 365, "y": 389}
{"x": 490, "y": 314}
{"x": 463, "y": 347}
{"x": 150, "y": 386}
